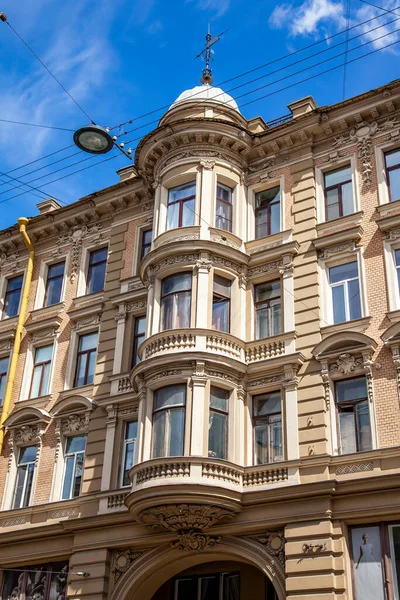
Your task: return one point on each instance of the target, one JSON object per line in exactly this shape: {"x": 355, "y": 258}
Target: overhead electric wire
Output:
{"x": 245, "y": 104}
{"x": 387, "y": 10}
{"x": 231, "y": 79}
{"x": 44, "y": 167}
{"x": 37, "y": 189}
{"x": 325, "y": 39}
{"x": 48, "y": 70}
{"x": 35, "y": 125}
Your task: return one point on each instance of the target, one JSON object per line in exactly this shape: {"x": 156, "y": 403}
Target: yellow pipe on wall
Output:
{"x": 23, "y": 222}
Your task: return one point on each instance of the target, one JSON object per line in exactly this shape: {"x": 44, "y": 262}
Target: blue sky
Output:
{"x": 123, "y": 58}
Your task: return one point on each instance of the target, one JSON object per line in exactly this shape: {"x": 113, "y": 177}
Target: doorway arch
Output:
{"x": 153, "y": 568}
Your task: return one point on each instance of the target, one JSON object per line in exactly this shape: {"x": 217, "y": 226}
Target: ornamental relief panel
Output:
{"x": 75, "y": 237}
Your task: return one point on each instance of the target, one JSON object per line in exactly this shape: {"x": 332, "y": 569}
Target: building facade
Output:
{"x": 206, "y": 398}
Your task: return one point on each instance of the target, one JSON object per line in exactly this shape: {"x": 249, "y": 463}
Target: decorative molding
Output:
{"x": 194, "y": 541}
{"x": 183, "y": 517}
{"x": 122, "y": 560}
{"x": 164, "y": 374}
{"x": 15, "y": 521}
{"x": 396, "y": 361}
{"x": 204, "y": 264}
{"x": 342, "y": 248}
{"x": 272, "y": 267}
{"x": 124, "y": 385}
{"x": 227, "y": 264}
{"x": 266, "y": 381}
{"x": 91, "y": 320}
{"x": 75, "y": 424}
{"x": 346, "y": 364}
{"x": 9, "y": 262}
{"x": 66, "y": 512}
{"x": 27, "y": 434}
{"x": 236, "y": 379}
{"x": 75, "y": 236}
{"x": 48, "y": 333}
{"x": 354, "y": 468}
{"x": 174, "y": 260}
{"x": 326, "y": 382}
{"x": 274, "y": 543}
{"x": 266, "y": 163}
{"x": 313, "y": 548}
{"x": 129, "y": 411}
{"x": 6, "y": 345}
{"x": 207, "y": 164}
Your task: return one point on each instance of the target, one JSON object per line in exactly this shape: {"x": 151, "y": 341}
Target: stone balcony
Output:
{"x": 217, "y": 343}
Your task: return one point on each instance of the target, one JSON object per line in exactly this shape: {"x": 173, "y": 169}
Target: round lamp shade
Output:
{"x": 93, "y": 139}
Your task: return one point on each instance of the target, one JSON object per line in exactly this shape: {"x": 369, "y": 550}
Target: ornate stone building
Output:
{"x": 206, "y": 398}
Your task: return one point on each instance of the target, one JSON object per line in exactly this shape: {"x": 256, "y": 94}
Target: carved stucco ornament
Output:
{"x": 187, "y": 521}
{"x": 274, "y": 543}
{"x": 122, "y": 560}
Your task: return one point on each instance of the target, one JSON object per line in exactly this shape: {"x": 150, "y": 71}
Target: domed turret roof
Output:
{"x": 206, "y": 92}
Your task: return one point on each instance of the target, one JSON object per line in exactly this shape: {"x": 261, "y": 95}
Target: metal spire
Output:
{"x": 206, "y": 55}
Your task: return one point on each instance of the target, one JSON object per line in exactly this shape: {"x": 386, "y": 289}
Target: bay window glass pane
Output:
{"x": 222, "y": 286}
{"x": 182, "y": 315}
{"x": 260, "y": 443}
{"x": 177, "y": 428}
{"x": 332, "y": 204}
{"x": 170, "y": 396}
{"x": 262, "y": 323}
{"x": 351, "y": 389}
{"x": 268, "y": 404}
{"x": 181, "y": 192}
{"x": 347, "y": 198}
{"x": 220, "y": 314}
{"x": 219, "y": 399}
{"x": 167, "y": 312}
{"x": 337, "y": 176}
{"x": 275, "y": 218}
{"x": 363, "y": 426}
{"x": 159, "y": 420}
{"x": 223, "y": 216}
{"x": 347, "y": 431}
{"x": 217, "y": 434}
{"x": 276, "y": 317}
{"x": 392, "y": 158}
{"x": 131, "y": 430}
{"x": 354, "y": 299}
{"x": 128, "y": 462}
{"x": 339, "y": 310}
{"x": 394, "y": 183}
{"x": 262, "y": 223}
{"x": 188, "y": 213}
{"x": 176, "y": 283}
{"x": 275, "y": 436}
{"x": 173, "y": 216}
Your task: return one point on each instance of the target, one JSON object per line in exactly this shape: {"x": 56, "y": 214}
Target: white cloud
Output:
{"x": 218, "y": 7}
{"x": 308, "y": 17}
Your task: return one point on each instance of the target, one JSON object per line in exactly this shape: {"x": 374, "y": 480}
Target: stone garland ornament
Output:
{"x": 75, "y": 236}
{"x": 194, "y": 541}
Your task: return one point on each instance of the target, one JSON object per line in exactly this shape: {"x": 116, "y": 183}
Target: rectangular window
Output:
{"x": 74, "y": 458}
{"x": 146, "y": 242}
{"x": 267, "y": 425}
{"x": 25, "y": 473}
{"x": 41, "y": 371}
{"x": 392, "y": 166}
{"x": 176, "y": 294}
{"x": 138, "y": 337}
{"x": 223, "y": 211}
{"x": 221, "y": 306}
{"x": 46, "y": 581}
{"x": 128, "y": 452}
{"x": 268, "y": 212}
{"x": 268, "y": 309}
{"x": 181, "y": 205}
{"x": 96, "y": 270}
{"x": 169, "y": 421}
{"x": 3, "y": 376}
{"x": 208, "y": 586}
{"x": 12, "y": 297}
{"x": 338, "y": 191}
{"x": 218, "y": 423}
{"x": 345, "y": 290}
{"x": 353, "y": 415}
{"x": 86, "y": 359}
{"x": 54, "y": 284}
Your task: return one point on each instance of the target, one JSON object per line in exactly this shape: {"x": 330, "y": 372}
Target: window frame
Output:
{"x": 266, "y": 419}
{"x": 337, "y": 186}
{"x": 125, "y": 443}
{"x": 226, "y": 414}
{"x": 258, "y": 208}
{"x": 166, "y": 433}
{"x": 8, "y": 278}
{"x": 90, "y": 252}
{"x": 4, "y": 374}
{"x": 218, "y": 199}
{"x": 145, "y": 248}
{"x": 138, "y": 338}
{"x": 336, "y": 404}
{"x": 18, "y": 465}
{"x": 346, "y": 294}
{"x": 67, "y": 455}
{"x": 42, "y": 365}
{"x": 46, "y": 284}
{"x": 175, "y": 293}
{"x": 227, "y": 299}
{"x": 257, "y": 302}
{"x": 181, "y": 202}
{"x": 79, "y": 353}
{"x": 388, "y": 169}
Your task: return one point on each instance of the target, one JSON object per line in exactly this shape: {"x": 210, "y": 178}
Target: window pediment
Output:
{"x": 345, "y": 342}
{"x": 27, "y": 426}
{"x": 72, "y": 404}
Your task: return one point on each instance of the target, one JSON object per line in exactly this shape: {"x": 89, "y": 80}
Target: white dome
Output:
{"x": 200, "y": 93}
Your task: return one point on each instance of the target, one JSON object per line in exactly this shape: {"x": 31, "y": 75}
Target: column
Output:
{"x": 119, "y": 339}
{"x": 199, "y": 438}
{"x": 288, "y": 295}
{"x": 203, "y": 266}
{"x": 292, "y": 423}
{"x": 206, "y": 197}
{"x": 111, "y": 422}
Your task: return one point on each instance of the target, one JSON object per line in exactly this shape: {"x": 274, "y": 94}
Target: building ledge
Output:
{"x": 339, "y": 231}
{"x": 360, "y": 325}
{"x": 269, "y": 243}
{"x": 46, "y": 312}
{"x": 389, "y": 215}
{"x": 180, "y": 234}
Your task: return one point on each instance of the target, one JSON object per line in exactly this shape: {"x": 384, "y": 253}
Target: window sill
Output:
{"x": 360, "y": 325}
{"x": 227, "y": 238}
{"x": 38, "y": 402}
{"x": 180, "y": 234}
{"x": 337, "y": 231}
{"x": 393, "y": 316}
{"x": 86, "y": 306}
{"x": 45, "y": 327}
{"x": 47, "y": 311}
{"x": 268, "y": 242}
{"x": 82, "y": 390}
{"x": 389, "y": 215}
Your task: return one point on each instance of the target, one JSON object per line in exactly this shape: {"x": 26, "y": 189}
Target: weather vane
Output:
{"x": 207, "y": 56}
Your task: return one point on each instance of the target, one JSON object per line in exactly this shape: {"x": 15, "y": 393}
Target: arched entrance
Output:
{"x": 155, "y": 568}
{"x": 230, "y": 580}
